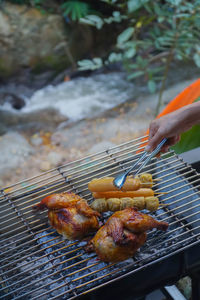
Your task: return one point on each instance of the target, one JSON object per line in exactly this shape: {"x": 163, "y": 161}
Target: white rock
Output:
{"x": 54, "y": 158}
{"x": 36, "y": 141}
{"x": 14, "y": 148}
{"x": 45, "y": 166}
{"x": 102, "y": 146}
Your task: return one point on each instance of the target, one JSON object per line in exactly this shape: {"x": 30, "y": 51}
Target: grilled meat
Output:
{"x": 114, "y": 204}
{"x": 145, "y": 180}
{"x": 110, "y": 251}
{"x": 70, "y": 215}
{"x": 105, "y": 184}
{"x": 136, "y": 221}
{"x": 122, "y": 235}
{"x": 144, "y": 192}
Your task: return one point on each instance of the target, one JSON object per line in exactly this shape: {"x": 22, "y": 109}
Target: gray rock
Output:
{"x": 45, "y": 166}
{"x": 51, "y": 44}
{"x": 54, "y": 158}
{"x": 14, "y": 151}
{"x": 36, "y": 141}
{"x": 102, "y": 146}
{"x": 44, "y": 119}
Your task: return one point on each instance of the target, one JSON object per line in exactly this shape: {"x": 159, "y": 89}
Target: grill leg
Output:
{"x": 195, "y": 286}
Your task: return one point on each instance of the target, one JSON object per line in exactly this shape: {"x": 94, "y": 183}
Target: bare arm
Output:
{"x": 172, "y": 125}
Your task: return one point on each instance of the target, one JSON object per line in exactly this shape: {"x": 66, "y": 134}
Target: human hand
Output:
{"x": 169, "y": 126}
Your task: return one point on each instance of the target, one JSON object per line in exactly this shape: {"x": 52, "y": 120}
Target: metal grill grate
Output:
{"x": 37, "y": 263}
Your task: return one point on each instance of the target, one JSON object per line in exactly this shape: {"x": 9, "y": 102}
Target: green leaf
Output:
{"x": 148, "y": 8}
{"x": 161, "y": 19}
{"x": 189, "y": 140}
{"x": 97, "y": 61}
{"x": 152, "y": 86}
{"x": 133, "y": 5}
{"x": 142, "y": 62}
{"x": 87, "y": 64}
{"x": 157, "y": 9}
{"x": 92, "y": 20}
{"x": 113, "y": 57}
{"x": 135, "y": 75}
{"x": 175, "y": 2}
{"x": 157, "y": 70}
{"x": 130, "y": 53}
{"x": 75, "y": 9}
{"x": 117, "y": 17}
{"x": 125, "y": 35}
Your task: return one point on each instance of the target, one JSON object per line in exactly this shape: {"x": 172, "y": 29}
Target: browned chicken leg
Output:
{"x": 70, "y": 215}
{"x": 122, "y": 235}
{"x": 136, "y": 221}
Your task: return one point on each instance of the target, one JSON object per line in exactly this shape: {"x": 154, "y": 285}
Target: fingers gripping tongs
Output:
{"x": 120, "y": 179}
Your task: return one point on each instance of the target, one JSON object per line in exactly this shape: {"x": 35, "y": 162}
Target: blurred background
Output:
{"x": 78, "y": 77}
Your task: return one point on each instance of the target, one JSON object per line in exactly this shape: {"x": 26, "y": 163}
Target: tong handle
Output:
{"x": 152, "y": 154}
{"x": 137, "y": 162}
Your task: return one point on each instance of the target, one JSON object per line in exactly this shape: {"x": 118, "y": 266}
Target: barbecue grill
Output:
{"x": 37, "y": 263}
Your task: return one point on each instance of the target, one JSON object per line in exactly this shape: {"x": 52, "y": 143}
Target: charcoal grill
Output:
{"x": 37, "y": 263}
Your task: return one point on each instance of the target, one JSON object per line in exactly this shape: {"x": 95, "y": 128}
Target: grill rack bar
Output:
{"x": 89, "y": 177}
{"x": 196, "y": 175}
{"x": 180, "y": 167}
{"x": 81, "y": 248}
{"x": 128, "y": 273}
{"x": 45, "y": 194}
{"x": 41, "y": 250}
{"x": 106, "y": 267}
{"x": 164, "y": 200}
{"x": 83, "y": 159}
{"x": 86, "y": 283}
{"x": 76, "y": 243}
{"x": 156, "y": 189}
{"x": 38, "y": 197}
{"x": 77, "y": 176}
{"x": 32, "y": 217}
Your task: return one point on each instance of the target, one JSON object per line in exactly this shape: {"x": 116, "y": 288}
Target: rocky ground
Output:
{"x": 24, "y": 154}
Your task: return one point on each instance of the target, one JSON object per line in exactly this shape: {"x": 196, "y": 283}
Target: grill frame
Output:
{"x": 108, "y": 162}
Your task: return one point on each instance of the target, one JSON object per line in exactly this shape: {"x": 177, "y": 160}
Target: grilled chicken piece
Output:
{"x": 136, "y": 221}
{"x": 70, "y": 215}
{"x": 122, "y": 235}
{"x": 109, "y": 250}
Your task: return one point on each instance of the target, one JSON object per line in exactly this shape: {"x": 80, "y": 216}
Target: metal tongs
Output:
{"x": 120, "y": 179}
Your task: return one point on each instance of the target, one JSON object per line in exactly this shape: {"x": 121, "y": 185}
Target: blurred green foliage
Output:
{"x": 31, "y": 2}
{"x": 189, "y": 139}
{"x": 156, "y": 33}
{"x": 73, "y": 9}
{"x": 153, "y": 33}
